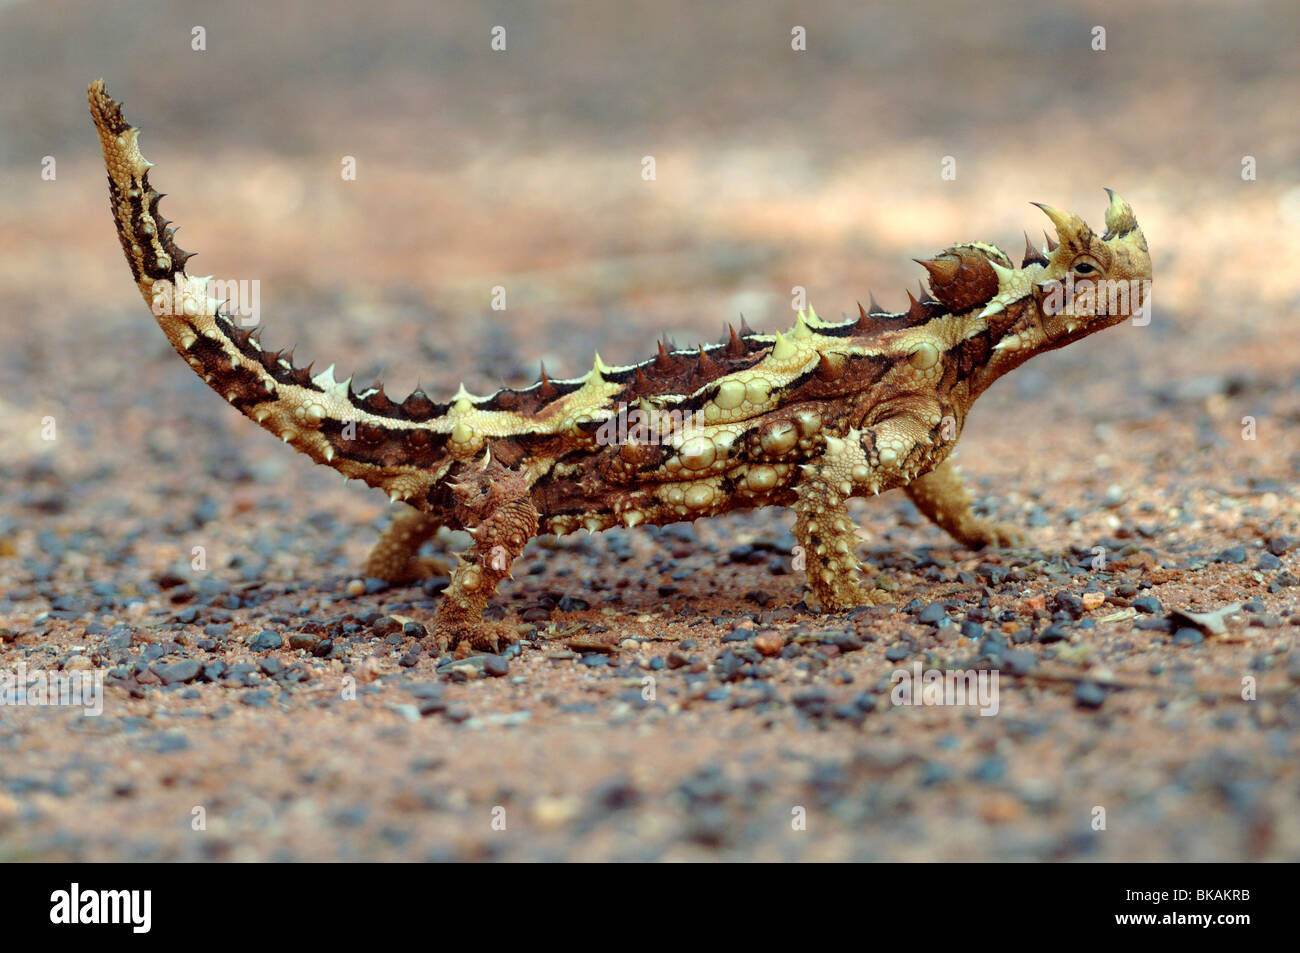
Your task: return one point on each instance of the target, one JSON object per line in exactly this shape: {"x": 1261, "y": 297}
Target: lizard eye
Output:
{"x": 1085, "y": 268}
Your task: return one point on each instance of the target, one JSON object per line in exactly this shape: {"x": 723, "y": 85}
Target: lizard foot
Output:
{"x": 991, "y": 533}
{"x": 843, "y": 599}
{"x": 466, "y": 640}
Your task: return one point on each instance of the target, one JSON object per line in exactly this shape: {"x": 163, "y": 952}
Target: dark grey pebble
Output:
{"x": 727, "y": 666}
{"x": 1019, "y": 662}
{"x": 1188, "y": 636}
{"x": 1283, "y": 580}
{"x": 271, "y": 667}
{"x": 186, "y": 670}
{"x": 165, "y": 742}
{"x": 932, "y": 614}
{"x": 352, "y": 816}
{"x": 257, "y": 699}
{"x": 677, "y": 660}
{"x": 1070, "y": 603}
{"x": 811, "y": 701}
{"x": 117, "y": 645}
{"x": 616, "y": 795}
{"x": 265, "y": 641}
{"x": 935, "y": 772}
{"x": 1154, "y": 624}
{"x": 991, "y": 770}
{"x": 460, "y": 666}
{"x": 431, "y": 705}
{"x": 1088, "y": 695}
{"x": 864, "y": 701}
{"x": 847, "y": 712}
{"x": 1148, "y": 604}
{"x": 847, "y": 642}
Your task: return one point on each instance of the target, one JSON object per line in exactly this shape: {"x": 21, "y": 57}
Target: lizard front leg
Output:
{"x": 863, "y": 462}
{"x": 824, "y": 528}
{"x": 941, "y": 496}
{"x": 395, "y": 557}
{"x": 496, "y": 509}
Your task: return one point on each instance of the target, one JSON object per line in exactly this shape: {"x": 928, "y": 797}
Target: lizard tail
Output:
{"x": 399, "y": 447}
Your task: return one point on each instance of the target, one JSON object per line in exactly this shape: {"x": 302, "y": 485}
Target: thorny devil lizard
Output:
{"x": 807, "y": 418}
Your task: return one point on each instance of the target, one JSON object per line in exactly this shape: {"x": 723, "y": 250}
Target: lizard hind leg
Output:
{"x": 496, "y": 509}
{"x": 395, "y": 557}
{"x": 942, "y": 497}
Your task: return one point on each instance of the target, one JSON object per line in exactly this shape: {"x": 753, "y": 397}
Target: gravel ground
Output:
{"x": 671, "y": 696}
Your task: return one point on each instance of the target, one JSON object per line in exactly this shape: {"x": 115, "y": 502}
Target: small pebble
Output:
{"x": 265, "y": 641}
{"x": 1088, "y": 695}
{"x": 186, "y": 670}
{"x": 1092, "y": 600}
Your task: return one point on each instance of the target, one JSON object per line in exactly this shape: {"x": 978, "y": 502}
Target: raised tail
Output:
{"x": 399, "y": 447}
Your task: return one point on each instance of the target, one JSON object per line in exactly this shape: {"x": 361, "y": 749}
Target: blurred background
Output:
{"x": 774, "y": 168}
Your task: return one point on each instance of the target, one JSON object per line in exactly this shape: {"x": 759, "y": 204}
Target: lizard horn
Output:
{"x": 1070, "y": 228}
{"x": 1120, "y": 219}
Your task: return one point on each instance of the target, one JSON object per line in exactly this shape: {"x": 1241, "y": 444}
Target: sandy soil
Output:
{"x": 672, "y": 697}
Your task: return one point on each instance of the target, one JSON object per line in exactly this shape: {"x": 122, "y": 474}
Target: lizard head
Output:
{"x": 1075, "y": 286}
{"x": 1091, "y": 282}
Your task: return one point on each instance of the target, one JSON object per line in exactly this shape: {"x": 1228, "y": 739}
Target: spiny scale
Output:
{"x": 805, "y": 418}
